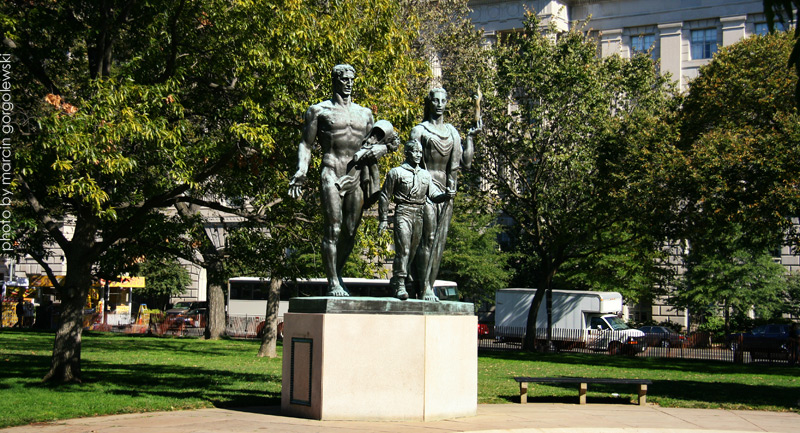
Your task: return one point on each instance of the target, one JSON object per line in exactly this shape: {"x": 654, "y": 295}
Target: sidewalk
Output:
{"x": 516, "y": 418}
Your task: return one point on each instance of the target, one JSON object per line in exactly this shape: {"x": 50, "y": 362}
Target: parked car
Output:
{"x": 195, "y": 318}
{"x": 662, "y": 336}
{"x": 765, "y": 341}
{"x": 184, "y": 306}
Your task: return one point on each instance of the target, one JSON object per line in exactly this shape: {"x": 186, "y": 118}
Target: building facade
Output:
{"x": 683, "y": 34}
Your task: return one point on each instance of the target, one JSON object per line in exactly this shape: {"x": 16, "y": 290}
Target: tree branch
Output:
{"x": 49, "y": 223}
{"x": 125, "y": 228}
{"x": 253, "y": 216}
{"x": 35, "y": 68}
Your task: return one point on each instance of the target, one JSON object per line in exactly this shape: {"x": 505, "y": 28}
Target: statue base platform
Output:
{"x": 379, "y": 359}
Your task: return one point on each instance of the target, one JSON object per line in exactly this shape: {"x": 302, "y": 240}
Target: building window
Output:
{"x": 704, "y": 43}
{"x": 642, "y": 43}
{"x": 762, "y": 28}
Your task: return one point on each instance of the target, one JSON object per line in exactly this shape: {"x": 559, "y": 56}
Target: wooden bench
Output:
{"x": 583, "y": 382}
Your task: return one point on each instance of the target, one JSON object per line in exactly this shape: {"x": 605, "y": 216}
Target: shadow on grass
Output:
{"x": 569, "y": 399}
{"x": 221, "y": 388}
{"x": 713, "y": 393}
{"x": 642, "y": 363}
{"x": 736, "y": 394}
{"x": 28, "y": 356}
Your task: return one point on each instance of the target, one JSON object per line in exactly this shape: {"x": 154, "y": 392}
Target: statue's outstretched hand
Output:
{"x": 383, "y": 226}
{"x": 477, "y": 128}
{"x": 296, "y": 185}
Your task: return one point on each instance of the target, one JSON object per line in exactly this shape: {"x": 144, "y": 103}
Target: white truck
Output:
{"x": 580, "y": 319}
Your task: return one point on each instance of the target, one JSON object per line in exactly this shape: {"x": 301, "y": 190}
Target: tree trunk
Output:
{"x": 529, "y": 342}
{"x": 727, "y": 317}
{"x": 269, "y": 340}
{"x": 66, "y": 362}
{"x": 215, "y": 327}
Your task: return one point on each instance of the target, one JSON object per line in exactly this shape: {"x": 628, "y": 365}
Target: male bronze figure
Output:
{"x": 351, "y": 148}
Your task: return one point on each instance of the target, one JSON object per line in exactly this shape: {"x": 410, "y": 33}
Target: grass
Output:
{"x": 676, "y": 382}
{"x": 127, "y": 374}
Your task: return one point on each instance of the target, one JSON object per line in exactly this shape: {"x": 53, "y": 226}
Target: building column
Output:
{"x": 610, "y": 42}
{"x": 554, "y": 11}
{"x": 671, "y": 54}
{"x": 732, "y": 29}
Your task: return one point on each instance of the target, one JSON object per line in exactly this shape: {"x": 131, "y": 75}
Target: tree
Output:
{"x": 473, "y": 257}
{"x": 787, "y": 11}
{"x": 126, "y": 108}
{"x": 739, "y": 141}
{"x": 638, "y": 270}
{"x": 575, "y": 148}
{"x": 164, "y": 279}
{"x": 257, "y": 252}
{"x": 740, "y": 145}
{"x": 721, "y": 276}
{"x": 792, "y": 294}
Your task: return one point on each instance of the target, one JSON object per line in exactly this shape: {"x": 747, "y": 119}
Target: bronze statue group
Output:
{"x": 422, "y": 188}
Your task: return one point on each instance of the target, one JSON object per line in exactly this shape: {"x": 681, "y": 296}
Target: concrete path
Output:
{"x": 516, "y": 418}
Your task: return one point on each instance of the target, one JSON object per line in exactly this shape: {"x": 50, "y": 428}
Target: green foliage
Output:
{"x": 131, "y": 107}
{"x": 787, "y": 11}
{"x": 163, "y": 278}
{"x": 740, "y": 137}
{"x": 370, "y": 252}
{"x": 448, "y": 38}
{"x": 636, "y": 270}
{"x": 712, "y": 324}
{"x": 473, "y": 257}
{"x": 741, "y": 159}
{"x": 792, "y": 294}
{"x": 577, "y": 161}
{"x": 733, "y": 281}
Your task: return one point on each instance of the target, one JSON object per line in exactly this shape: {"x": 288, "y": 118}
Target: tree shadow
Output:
{"x": 29, "y": 359}
{"x": 639, "y": 363}
{"x": 712, "y": 393}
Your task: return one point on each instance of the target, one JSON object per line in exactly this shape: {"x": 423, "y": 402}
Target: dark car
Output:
{"x": 765, "y": 341}
{"x": 662, "y": 336}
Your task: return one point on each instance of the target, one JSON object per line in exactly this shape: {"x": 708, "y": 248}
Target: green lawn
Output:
{"x": 124, "y": 374}
{"x": 676, "y": 382}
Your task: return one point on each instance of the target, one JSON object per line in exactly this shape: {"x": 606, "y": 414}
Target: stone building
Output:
{"x": 682, "y": 34}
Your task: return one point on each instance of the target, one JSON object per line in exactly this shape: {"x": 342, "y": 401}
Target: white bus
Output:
{"x": 247, "y": 298}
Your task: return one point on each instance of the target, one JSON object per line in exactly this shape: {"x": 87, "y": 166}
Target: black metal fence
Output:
{"x": 695, "y": 346}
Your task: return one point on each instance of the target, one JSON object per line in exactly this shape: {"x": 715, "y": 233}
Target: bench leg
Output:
{"x": 582, "y": 393}
{"x": 523, "y": 392}
{"x": 642, "y": 394}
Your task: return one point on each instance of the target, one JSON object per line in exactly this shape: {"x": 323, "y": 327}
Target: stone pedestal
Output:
{"x": 379, "y": 359}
